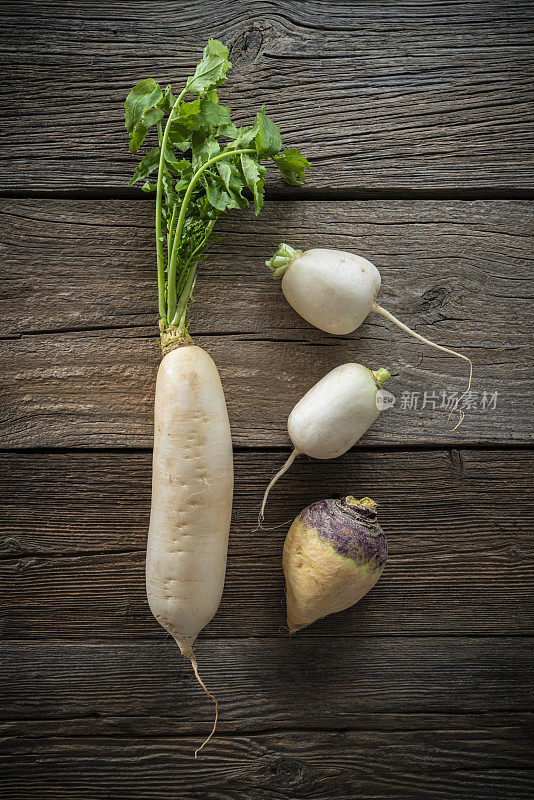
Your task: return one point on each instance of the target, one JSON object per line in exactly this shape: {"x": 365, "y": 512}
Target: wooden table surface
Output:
{"x": 416, "y": 119}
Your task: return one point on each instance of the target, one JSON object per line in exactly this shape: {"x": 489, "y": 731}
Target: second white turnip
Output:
{"x": 333, "y": 415}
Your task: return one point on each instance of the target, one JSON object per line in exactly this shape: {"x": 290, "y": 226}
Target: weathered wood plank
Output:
{"x": 92, "y": 385}
{"x": 80, "y": 503}
{"x": 80, "y": 264}
{"x": 421, "y": 593}
{"x": 268, "y": 683}
{"x": 378, "y": 95}
{"x": 460, "y": 545}
{"x": 134, "y": 727}
{"x": 316, "y": 765}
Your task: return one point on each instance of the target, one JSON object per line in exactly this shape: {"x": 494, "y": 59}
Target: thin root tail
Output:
{"x": 388, "y": 315}
{"x": 278, "y": 475}
{"x": 191, "y": 656}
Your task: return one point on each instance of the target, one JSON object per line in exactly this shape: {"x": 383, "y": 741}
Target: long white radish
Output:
{"x": 332, "y": 416}
{"x": 192, "y": 484}
{"x": 203, "y": 164}
{"x": 336, "y": 290}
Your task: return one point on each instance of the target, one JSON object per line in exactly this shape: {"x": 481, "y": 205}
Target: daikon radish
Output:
{"x": 192, "y": 469}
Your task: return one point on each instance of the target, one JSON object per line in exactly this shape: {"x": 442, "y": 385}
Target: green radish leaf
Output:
{"x": 201, "y": 113}
{"x": 182, "y": 184}
{"x": 230, "y": 174}
{"x": 215, "y": 193}
{"x": 167, "y": 101}
{"x": 235, "y": 188}
{"x": 267, "y": 140}
{"x": 150, "y": 163}
{"x": 186, "y": 173}
{"x": 141, "y": 111}
{"x": 186, "y": 112}
{"x": 146, "y": 166}
{"x": 245, "y": 136}
{"x": 203, "y": 148}
{"x": 258, "y": 196}
{"x": 180, "y": 138}
{"x": 211, "y": 70}
{"x": 168, "y": 188}
{"x": 225, "y": 171}
{"x": 219, "y": 196}
{"x": 230, "y": 131}
{"x": 212, "y": 114}
{"x": 174, "y": 165}
{"x": 292, "y": 164}
{"x": 253, "y": 173}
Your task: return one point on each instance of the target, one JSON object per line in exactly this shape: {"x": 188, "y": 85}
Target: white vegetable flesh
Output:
{"x": 334, "y": 413}
{"x": 331, "y": 289}
{"x": 192, "y": 486}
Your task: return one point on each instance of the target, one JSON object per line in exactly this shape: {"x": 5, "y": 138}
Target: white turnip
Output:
{"x": 336, "y": 290}
{"x": 334, "y": 553}
{"x": 333, "y": 415}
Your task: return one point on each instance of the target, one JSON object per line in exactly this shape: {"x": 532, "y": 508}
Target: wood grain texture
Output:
{"x": 79, "y": 355}
{"x": 380, "y": 96}
{"x": 460, "y": 549}
{"x": 134, "y": 727}
{"x": 83, "y": 503}
{"x": 265, "y": 684}
{"x": 437, "y": 763}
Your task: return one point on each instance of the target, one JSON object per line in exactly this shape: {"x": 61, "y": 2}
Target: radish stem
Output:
{"x": 159, "y": 191}
{"x": 171, "y": 270}
{"x": 169, "y": 233}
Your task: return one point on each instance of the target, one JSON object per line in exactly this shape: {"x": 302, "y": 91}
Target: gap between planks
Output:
{"x": 326, "y": 195}
{"x": 254, "y": 448}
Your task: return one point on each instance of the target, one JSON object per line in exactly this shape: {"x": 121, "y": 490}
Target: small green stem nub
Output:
{"x": 281, "y": 260}
{"x": 365, "y": 503}
{"x": 170, "y": 338}
{"x": 380, "y": 376}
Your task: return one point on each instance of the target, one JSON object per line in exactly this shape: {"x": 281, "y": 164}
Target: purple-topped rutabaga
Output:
{"x": 350, "y": 526}
{"x": 334, "y": 553}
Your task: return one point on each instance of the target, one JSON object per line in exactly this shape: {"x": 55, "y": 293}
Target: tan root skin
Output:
{"x": 319, "y": 582}
{"x": 192, "y": 483}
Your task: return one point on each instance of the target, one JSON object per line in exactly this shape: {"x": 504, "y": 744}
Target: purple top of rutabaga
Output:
{"x": 351, "y": 528}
